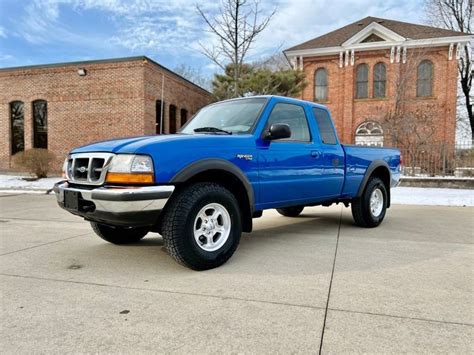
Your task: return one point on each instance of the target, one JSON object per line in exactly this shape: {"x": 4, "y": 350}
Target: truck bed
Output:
{"x": 358, "y": 160}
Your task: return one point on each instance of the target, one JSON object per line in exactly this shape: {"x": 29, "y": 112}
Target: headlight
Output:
{"x": 130, "y": 169}
{"x": 142, "y": 164}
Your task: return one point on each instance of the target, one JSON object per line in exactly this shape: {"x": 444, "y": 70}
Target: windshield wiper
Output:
{"x": 212, "y": 130}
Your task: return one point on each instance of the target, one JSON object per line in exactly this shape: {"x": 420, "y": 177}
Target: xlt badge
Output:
{"x": 245, "y": 156}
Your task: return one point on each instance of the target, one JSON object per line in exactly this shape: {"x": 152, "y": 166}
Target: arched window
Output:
{"x": 321, "y": 85}
{"x": 184, "y": 116}
{"x": 380, "y": 78}
{"x": 40, "y": 124}
{"x": 424, "y": 79}
{"x": 17, "y": 124}
{"x": 172, "y": 119}
{"x": 369, "y": 133}
{"x": 362, "y": 80}
{"x": 159, "y": 113}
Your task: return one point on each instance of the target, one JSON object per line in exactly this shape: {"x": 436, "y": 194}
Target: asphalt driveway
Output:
{"x": 294, "y": 285}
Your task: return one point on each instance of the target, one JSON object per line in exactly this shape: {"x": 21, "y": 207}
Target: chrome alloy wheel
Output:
{"x": 212, "y": 227}
{"x": 376, "y": 202}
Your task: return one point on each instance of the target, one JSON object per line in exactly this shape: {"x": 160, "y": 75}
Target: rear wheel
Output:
{"x": 369, "y": 210}
{"x": 290, "y": 211}
{"x": 119, "y": 235}
{"x": 201, "y": 227}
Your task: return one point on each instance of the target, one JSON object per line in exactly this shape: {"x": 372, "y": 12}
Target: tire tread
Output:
{"x": 174, "y": 222}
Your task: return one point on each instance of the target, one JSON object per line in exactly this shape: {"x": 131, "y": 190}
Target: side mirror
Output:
{"x": 278, "y": 131}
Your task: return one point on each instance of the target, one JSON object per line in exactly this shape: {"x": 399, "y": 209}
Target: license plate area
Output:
{"x": 71, "y": 200}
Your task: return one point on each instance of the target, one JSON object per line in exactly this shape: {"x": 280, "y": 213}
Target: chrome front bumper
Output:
{"x": 137, "y": 206}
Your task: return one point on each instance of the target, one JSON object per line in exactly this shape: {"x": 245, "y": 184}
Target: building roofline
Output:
{"x": 102, "y": 61}
{"x": 411, "y": 43}
{"x": 378, "y": 20}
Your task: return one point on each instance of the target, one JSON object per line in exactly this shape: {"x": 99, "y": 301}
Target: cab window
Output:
{"x": 294, "y": 116}
{"x": 326, "y": 129}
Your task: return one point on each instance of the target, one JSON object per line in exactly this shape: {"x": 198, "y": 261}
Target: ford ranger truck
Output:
{"x": 201, "y": 188}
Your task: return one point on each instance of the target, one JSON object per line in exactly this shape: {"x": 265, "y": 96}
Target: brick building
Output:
{"x": 363, "y": 70}
{"x": 61, "y": 106}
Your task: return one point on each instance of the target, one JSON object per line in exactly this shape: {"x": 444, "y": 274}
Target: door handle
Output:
{"x": 315, "y": 153}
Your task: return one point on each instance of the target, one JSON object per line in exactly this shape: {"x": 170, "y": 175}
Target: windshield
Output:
{"x": 237, "y": 116}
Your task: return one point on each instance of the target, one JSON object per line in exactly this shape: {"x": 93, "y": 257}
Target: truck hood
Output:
{"x": 142, "y": 144}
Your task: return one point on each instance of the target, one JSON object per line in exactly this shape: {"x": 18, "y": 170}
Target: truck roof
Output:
{"x": 278, "y": 97}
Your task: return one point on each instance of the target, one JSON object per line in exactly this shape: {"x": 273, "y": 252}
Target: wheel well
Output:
{"x": 231, "y": 183}
{"x": 383, "y": 174}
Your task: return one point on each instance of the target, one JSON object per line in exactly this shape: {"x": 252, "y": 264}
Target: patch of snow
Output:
{"x": 9, "y": 183}
{"x": 432, "y": 196}
{"x": 23, "y": 191}
{"x": 420, "y": 177}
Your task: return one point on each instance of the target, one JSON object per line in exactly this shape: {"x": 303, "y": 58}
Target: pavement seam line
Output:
{"x": 330, "y": 282}
{"x": 40, "y": 245}
{"x": 401, "y": 317}
{"x": 223, "y": 298}
{"x": 39, "y": 220}
{"x": 237, "y": 299}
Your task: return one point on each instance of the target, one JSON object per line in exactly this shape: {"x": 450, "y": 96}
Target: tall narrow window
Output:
{"x": 17, "y": 124}
{"x": 321, "y": 85}
{"x": 160, "y": 112}
{"x": 184, "y": 116}
{"x": 362, "y": 80}
{"x": 40, "y": 124}
{"x": 380, "y": 78}
{"x": 424, "y": 79}
{"x": 172, "y": 119}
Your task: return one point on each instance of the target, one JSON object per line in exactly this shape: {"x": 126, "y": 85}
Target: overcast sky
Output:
{"x": 48, "y": 31}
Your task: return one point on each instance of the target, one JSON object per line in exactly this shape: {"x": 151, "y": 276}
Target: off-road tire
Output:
{"x": 361, "y": 211}
{"x": 178, "y": 225}
{"x": 119, "y": 235}
{"x": 294, "y": 211}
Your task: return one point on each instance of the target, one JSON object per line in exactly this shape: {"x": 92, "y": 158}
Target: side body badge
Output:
{"x": 245, "y": 156}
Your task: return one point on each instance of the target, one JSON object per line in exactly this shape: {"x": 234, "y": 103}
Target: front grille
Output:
{"x": 88, "y": 168}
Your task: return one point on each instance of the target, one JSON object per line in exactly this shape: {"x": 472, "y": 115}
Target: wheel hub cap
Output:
{"x": 376, "y": 202}
{"x": 212, "y": 227}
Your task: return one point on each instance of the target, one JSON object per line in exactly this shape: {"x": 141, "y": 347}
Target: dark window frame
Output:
{"x": 379, "y": 89}
{"x": 323, "y": 86}
{"x": 40, "y": 131}
{"x": 183, "y": 116}
{"x": 172, "y": 119}
{"x": 20, "y": 115}
{"x": 424, "y": 83}
{"x": 362, "y": 82}
{"x": 158, "y": 120}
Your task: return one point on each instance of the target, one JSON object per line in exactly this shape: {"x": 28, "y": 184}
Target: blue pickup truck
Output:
{"x": 201, "y": 188}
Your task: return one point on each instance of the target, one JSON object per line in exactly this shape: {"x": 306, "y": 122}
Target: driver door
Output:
{"x": 288, "y": 168}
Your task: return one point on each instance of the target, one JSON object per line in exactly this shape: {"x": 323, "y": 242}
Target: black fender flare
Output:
{"x": 215, "y": 164}
{"x": 374, "y": 165}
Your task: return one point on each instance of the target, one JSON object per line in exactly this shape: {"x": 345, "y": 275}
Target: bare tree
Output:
{"x": 194, "y": 75}
{"x": 457, "y": 15}
{"x": 236, "y": 26}
{"x": 410, "y": 127}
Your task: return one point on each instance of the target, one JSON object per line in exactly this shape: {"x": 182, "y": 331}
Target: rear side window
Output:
{"x": 293, "y": 116}
{"x": 326, "y": 130}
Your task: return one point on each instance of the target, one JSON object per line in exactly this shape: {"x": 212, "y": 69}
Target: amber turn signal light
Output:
{"x": 129, "y": 178}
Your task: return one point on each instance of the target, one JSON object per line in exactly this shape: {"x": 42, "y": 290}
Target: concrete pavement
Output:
{"x": 294, "y": 285}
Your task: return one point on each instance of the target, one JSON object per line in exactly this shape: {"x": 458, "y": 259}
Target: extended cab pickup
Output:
{"x": 201, "y": 188}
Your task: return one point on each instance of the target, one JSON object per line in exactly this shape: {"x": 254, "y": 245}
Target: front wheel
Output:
{"x": 119, "y": 235}
{"x": 201, "y": 227}
{"x": 369, "y": 209}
